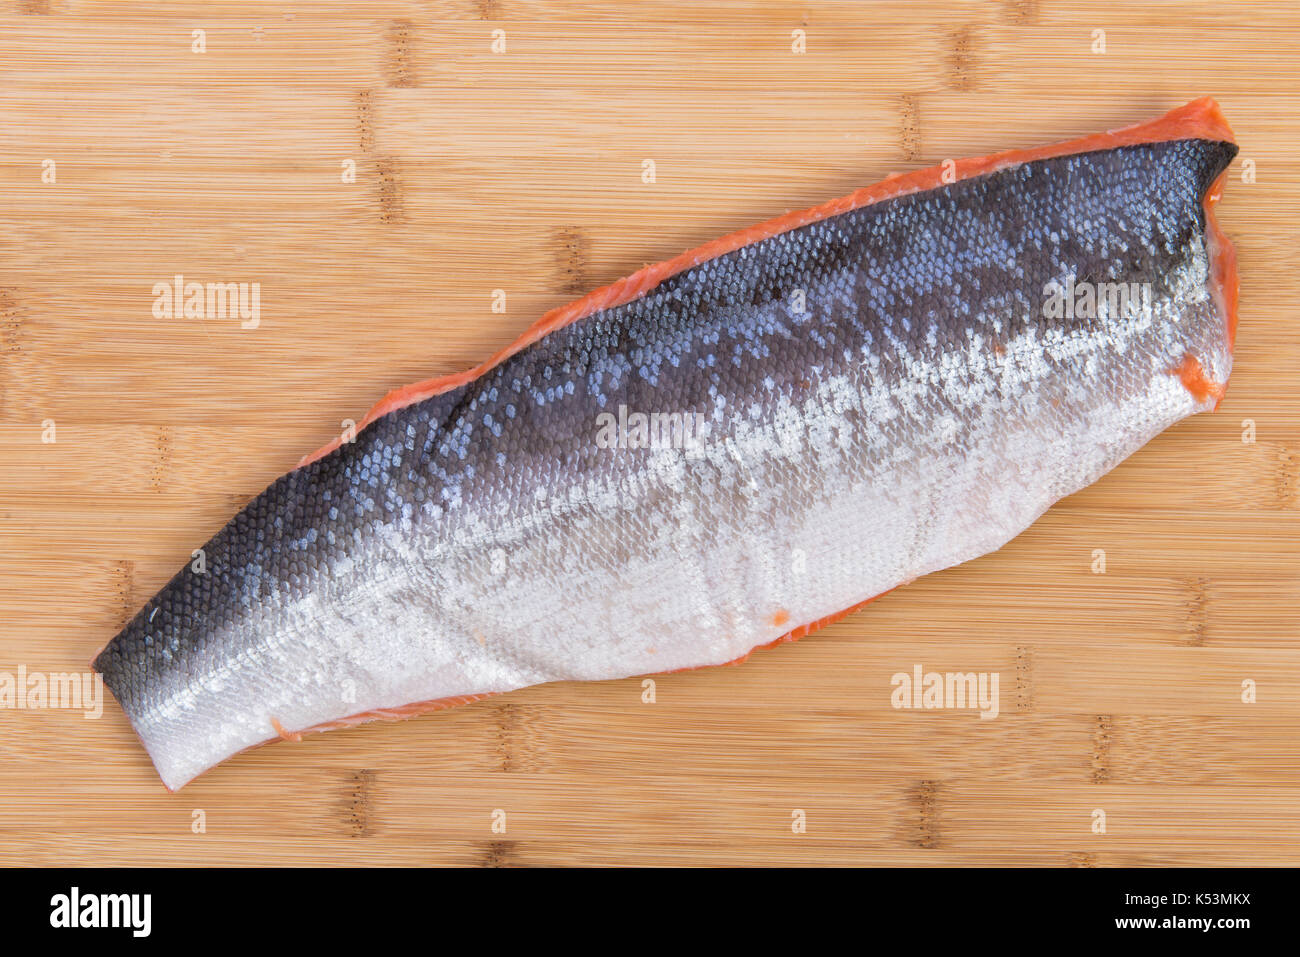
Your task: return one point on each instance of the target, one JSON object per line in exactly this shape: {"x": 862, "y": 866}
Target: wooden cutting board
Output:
{"x": 388, "y": 172}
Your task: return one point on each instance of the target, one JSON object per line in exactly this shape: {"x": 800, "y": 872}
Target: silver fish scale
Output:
{"x": 884, "y": 393}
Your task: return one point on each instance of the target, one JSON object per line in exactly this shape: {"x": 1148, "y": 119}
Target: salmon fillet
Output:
{"x": 717, "y": 453}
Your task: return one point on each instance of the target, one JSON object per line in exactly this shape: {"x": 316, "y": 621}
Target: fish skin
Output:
{"x": 918, "y": 411}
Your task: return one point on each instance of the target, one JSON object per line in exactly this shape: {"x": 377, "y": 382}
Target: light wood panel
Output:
{"x": 1120, "y": 692}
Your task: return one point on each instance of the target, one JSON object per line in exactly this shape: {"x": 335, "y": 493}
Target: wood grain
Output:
{"x": 521, "y": 171}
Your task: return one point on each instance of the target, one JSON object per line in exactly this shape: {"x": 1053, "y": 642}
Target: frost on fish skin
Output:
{"x": 914, "y": 410}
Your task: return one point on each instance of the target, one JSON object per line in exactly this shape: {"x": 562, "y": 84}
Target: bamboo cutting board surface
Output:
{"x": 524, "y": 171}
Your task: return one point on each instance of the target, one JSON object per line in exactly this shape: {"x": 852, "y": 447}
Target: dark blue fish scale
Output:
{"x": 901, "y": 279}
